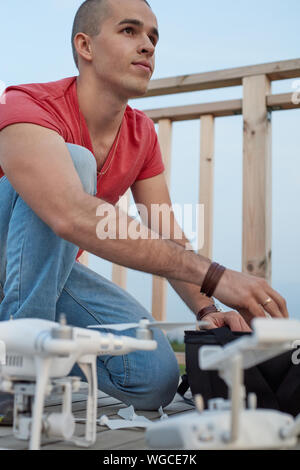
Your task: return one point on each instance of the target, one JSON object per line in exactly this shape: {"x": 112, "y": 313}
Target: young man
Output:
{"x": 71, "y": 148}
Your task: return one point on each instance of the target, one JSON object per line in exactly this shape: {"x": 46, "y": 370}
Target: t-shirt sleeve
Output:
{"x": 153, "y": 164}
{"x": 17, "y": 106}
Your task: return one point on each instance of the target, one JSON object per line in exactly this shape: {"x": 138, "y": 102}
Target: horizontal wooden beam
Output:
{"x": 195, "y": 111}
{"x": 281, "y": 102}
{"x": 218, "y": 108}
{"x": 282, "y": 70}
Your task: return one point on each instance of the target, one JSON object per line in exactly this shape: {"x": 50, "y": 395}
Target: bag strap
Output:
{"x": 184, "y": 385}
{"x": 183, "y": 388}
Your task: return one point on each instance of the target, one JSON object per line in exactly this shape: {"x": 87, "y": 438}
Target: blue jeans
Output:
{"x": 40, "y": 278}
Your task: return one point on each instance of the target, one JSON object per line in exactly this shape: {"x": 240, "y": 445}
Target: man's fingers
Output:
{"x": 270, "y": 307}
{"x": 256, "y": 310}
{"x": 279, "y": 302}
{"x": 247, "y": 293}
{"x": 236, "y": 322}
{"x": 210, "y": 324}
{"x": 270, "y": 300}
{"x": 232, "y": 319}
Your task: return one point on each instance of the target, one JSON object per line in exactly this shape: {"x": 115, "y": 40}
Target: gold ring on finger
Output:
{"x": 267, "y": 301}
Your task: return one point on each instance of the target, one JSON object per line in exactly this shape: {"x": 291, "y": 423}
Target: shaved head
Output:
{"x": 88, "y": 20}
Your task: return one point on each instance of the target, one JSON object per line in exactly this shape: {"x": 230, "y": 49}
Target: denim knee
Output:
{"x": 86, "y": 167}
{"x": 161, "y": 386}
{"x": 155, "y": 385}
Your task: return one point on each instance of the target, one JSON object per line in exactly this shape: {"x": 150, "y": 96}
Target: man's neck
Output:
{"x": 102, "y": 110}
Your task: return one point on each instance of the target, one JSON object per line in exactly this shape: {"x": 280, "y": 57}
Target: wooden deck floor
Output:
{"x": 123, "y": 439}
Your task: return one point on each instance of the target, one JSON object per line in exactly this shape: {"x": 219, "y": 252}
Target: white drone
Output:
{"x": 39, "y": 356}
{"x": 229, "y": 424}
{"x": 144, "y": 327}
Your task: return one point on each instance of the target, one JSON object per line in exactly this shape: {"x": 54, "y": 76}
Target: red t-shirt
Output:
{"x": 55, "y": 105}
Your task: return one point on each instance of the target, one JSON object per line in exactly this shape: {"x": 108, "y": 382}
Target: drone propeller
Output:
{"x": 116, "y": 326}
{"x": 145, "y": 323}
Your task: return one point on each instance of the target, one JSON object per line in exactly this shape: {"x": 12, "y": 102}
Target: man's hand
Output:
{"x": 251, "y": 296}
{"x": 232, "y": 319}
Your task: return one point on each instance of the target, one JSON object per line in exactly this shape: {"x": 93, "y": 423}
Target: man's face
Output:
{"x": 123, "y": 51}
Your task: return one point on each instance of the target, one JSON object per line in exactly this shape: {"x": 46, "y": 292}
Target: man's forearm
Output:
{"x": 156, "y": 256}
{"x": 190, "y": 293}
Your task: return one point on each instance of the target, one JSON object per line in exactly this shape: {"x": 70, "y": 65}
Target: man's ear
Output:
{"x": 83, "y": 46}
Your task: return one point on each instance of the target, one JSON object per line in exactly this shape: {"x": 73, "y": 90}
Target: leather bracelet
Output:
{"x": 206, "y": 285}
{"x": 205, "y": 311}
{"x": 212, "y": 278}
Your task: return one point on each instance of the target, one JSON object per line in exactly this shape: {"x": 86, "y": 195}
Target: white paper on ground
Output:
{"x": 130, "y": 415}
{"x": 130, "y": 419}
{"x": 123, "y": 423}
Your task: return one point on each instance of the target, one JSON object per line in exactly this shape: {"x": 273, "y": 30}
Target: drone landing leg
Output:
{"x": 42, "y": 374}
{"x": 235, "y": 385}
{"x": 236, "y": 398}
{"x": 89, "y": 369}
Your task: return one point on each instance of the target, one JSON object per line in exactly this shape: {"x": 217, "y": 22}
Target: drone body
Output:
{"x": 210, "y": 430}
{"x": 26, "y": 338}
{"x": 230, "y": 424}
{"x": 39, "y": 356}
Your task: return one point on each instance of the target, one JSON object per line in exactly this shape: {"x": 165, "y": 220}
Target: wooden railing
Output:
{"x": 256, "y": 106}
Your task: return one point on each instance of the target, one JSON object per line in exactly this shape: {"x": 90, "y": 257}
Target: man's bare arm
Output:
{"x": 248, "y": 291}
{"x": 37, "y": 163}
{"x": 154, "y": 191}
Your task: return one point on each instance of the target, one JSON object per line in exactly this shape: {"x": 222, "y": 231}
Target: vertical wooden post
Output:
{"x": 206, "y": 190}
{"x": 257, "y": 190}
{"x": 119, "y": 273}
{"x": 165, "y": 141}
{"x": 159, "y": 285}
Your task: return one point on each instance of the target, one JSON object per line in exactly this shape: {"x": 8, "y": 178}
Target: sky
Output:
{"x": 195, "y": 37}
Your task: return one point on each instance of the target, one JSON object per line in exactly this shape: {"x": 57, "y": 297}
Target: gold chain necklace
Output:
{"x": 101, "y": 173}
